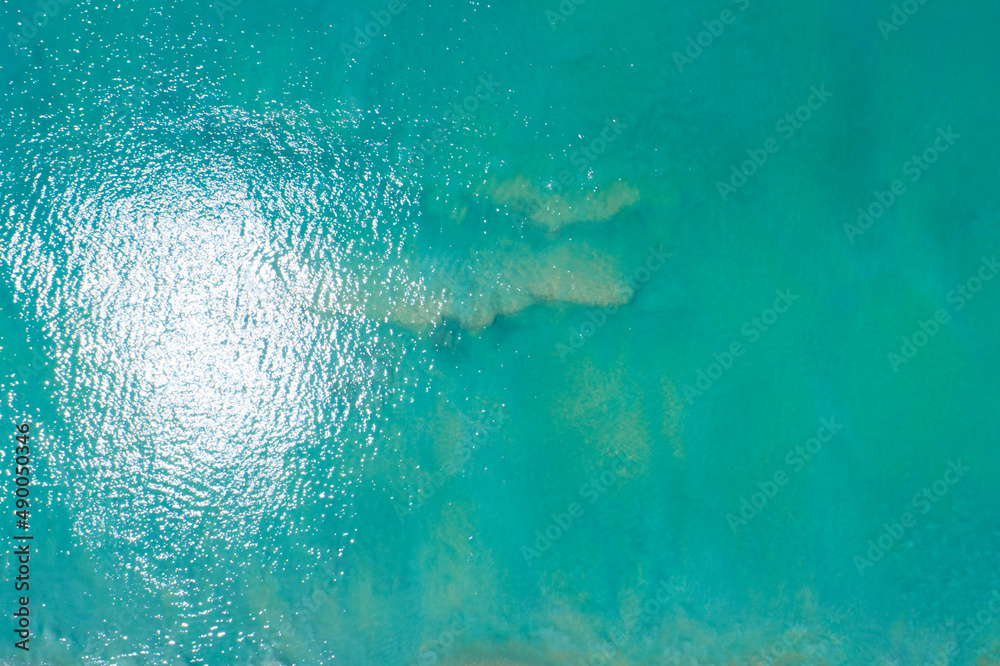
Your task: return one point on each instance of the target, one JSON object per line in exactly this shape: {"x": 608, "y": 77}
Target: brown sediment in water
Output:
{"x": 472, "y": 290}
{"x": 500, "y": 661}
{"x": 553, "y": 210}
{"x": 505, "y": 653}
{"x": 493, "y": 662}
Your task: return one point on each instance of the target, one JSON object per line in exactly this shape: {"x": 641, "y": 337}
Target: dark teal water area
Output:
{"x": 516, "y": 334}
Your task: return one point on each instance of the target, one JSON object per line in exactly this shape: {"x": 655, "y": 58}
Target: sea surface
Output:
{"x": 516, "y": 333}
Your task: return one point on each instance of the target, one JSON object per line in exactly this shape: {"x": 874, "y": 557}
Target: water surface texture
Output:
{"x": 523, "y": 333}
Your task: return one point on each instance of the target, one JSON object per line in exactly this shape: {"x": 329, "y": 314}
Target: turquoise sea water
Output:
{"x": 321, "y": 369}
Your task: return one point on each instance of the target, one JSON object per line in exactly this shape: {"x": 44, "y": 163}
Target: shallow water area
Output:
{"x": 324, "y": 363}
